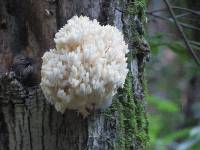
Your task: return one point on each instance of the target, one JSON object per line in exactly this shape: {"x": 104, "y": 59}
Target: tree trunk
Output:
{"x": 27, "y": 121}
{"x": 191, "y": 103}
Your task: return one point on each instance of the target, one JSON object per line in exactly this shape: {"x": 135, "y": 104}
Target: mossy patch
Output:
{"x": 129, "y": 104}
{"x": 131, "y": 116}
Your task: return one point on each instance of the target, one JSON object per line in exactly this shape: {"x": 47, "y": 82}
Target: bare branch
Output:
{"x": 195, "y": 43}
{"x": 157, "y": 10}
{"x": 189, "y": 11}
{"x": 185, "y": 25}
{"x": 179, "y": 27}
{"x": 119, "y": 10}
{"x": 195, "y": 47}
{"x": 186, "y": 9}
{"x": 182, "y": 15}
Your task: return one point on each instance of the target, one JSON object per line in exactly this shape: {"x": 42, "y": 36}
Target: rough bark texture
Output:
{"x": 27, "y": 122}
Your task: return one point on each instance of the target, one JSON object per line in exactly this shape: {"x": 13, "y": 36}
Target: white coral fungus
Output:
{"x": 86, "y": 68}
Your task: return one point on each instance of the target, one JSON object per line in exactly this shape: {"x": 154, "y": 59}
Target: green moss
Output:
{"x": 131, "y": 118}
{"x": 129, "y": 105}
{"x": 137, "y": 7}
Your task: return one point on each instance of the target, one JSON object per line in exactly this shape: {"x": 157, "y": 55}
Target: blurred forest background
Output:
{"x": 173, "y": 75}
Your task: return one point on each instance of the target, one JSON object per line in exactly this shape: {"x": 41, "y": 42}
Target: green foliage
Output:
{"x": 165, "y": 117}
{"x": 162, "y": 104}
{"x": 157, "y": 122}
{"x": 178, "y": 48}
{"x": 136, "y": 6}
{"x": 156, "y": 42}
{"x": 190, "y": 136}
{"x": 160, "y": 40}
{"x": 191, "y": 142}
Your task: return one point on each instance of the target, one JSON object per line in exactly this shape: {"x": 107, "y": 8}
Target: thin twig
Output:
{"x": 177, "y": 16}
{"x": 185, "y": 25}
{"x": 195, "y": 43}
{"x": 159, "y": 17}
{"x": 157, "y": 10}
{"x": 188, "y": 26}
{"x": 195, "y": 47}
{"x": 176, "y": 7}
{"x": 186, "y": 9}
{"x": 119, "y": 10}
{"x": 190, "y": 50}
{"x": 182, "y": 15}
{"x": 190, "y": 11}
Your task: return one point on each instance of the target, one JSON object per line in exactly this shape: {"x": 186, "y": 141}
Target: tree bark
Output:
{"x": 27, "y": 121}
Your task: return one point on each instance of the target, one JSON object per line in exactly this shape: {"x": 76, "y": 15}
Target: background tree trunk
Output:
{"x": 27, "y": 121}
{"x": 191, "y": 103}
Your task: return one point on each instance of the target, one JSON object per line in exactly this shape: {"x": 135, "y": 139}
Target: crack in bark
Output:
{"x": 29, "y": 131}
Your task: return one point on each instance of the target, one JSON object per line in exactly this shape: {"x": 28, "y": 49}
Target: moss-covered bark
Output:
{"x": 129, "y": 104}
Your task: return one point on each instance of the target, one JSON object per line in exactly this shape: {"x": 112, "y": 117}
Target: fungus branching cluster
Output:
{"x": 86, "y": 68}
